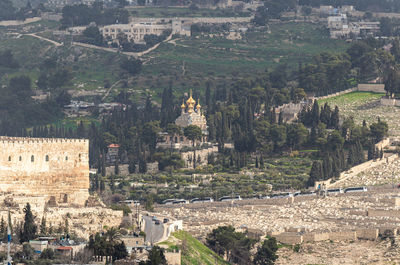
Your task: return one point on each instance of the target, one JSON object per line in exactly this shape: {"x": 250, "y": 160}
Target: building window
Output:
{"x": 66, "y": 158}
{"x": 32, "y": 158}
{"x": 181, "y": 139}
{"x": 47, "y": 158}
{"x": 20, "y": 158}
{"x": 9, "y": 158}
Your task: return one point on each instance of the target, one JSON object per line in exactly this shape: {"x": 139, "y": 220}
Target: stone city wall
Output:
{"x": 57, "y": 169}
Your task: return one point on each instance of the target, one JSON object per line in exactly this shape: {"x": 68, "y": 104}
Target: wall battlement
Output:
{"x": 52, "y": 167}
{"x": 11, "y": 140}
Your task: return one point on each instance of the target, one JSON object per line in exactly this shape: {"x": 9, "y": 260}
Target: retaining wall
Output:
{"x": 383, "y": 213}
{"x": 376, "y": 88}
{"x": 290, "y": 238}
{"x": 368, "y": 234}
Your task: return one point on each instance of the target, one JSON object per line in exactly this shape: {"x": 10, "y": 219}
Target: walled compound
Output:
{"x": 52, "y": 175}
{"x": 55, "y": 168}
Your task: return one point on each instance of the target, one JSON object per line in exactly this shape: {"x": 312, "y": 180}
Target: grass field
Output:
{"x": 208, "y": 57}
{"x": 91, "y": 68}
{"x": 183, "y": 12}
{"x": 197, "y": 253}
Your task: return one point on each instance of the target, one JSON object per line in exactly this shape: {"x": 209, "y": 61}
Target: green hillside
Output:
{"x": 194, "y": 252}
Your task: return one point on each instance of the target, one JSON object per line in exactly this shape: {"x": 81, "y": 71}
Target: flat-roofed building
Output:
{"x": 134, "y": 31}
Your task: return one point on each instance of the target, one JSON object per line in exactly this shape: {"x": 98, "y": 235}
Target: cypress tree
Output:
{"x": 315, "y": 113}
{"x": 335, "y": 118}
{"x": 371, "y": 152}
{"x": 351, "y": 156}
{"x": 3, "y": 229}
{"x": 29, "y": 228}
{"x": 280, "y": 118}
{"x": 316, "y": 173}
{"x": 256, "y": 162}
{"x": 43, "y": 226}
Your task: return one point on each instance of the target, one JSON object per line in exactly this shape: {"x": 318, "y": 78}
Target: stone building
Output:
{"x": 134, "y": 32}
{"x": 191, "y": 115}
{"x": 57, "y": 169}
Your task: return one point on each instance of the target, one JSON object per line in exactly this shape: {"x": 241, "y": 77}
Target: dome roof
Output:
{"x": 198, "y": 105}
{"x": 190, "y": 102}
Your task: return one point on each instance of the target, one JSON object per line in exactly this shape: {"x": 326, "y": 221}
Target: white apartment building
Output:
{"x": 134, "y": 31}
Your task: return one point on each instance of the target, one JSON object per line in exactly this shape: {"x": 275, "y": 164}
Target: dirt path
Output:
{"x": 57, "y": 44}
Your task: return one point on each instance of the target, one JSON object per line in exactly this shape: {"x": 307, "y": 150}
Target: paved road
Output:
{"x": 154, "y": 233}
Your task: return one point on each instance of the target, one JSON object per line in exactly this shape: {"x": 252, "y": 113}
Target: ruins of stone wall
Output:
{"x": 49, "y": 167}
{"x": 203, "y": 153}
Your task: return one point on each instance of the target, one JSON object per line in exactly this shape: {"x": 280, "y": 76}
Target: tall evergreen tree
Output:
{"x": 29, "y": 229}
{"x": 43, "y": 228}
{"x": 316, "y": 173}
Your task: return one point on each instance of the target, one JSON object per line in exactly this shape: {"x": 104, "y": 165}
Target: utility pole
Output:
{"x": 9, "y": 259}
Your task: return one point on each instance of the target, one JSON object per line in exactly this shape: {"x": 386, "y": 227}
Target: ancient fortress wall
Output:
{"x": 55, "y": 168}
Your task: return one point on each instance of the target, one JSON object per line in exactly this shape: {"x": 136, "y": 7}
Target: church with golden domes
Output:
{"x": 191, "y": 114}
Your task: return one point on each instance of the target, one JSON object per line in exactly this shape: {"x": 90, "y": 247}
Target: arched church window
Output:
{"x": 9, "y": 158}
{"x": 66, "y": 158}
{"x": 20, "y": 158}
{"x": 47, "y": 158}
{"x": 32, "y": 158}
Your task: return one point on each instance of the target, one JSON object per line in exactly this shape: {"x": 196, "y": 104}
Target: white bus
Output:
{"x": 197, "y": 200}
{"x": 335, "y": 191}
{"x": 230, "y": 198}
{"x": 168, "y": 201}
{"x": 355, "y": 189}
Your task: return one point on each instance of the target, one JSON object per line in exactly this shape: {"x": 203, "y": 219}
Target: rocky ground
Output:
{"x": 318, "y": 214}
{"x": 380, "y": 175}
{"x": 344, "y": 253}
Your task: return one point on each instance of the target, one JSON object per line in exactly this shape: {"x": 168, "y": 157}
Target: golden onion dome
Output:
{"x": 183, "y": 105}
{"x": 190, "y": 102}
{"x": 198, "y": 105}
